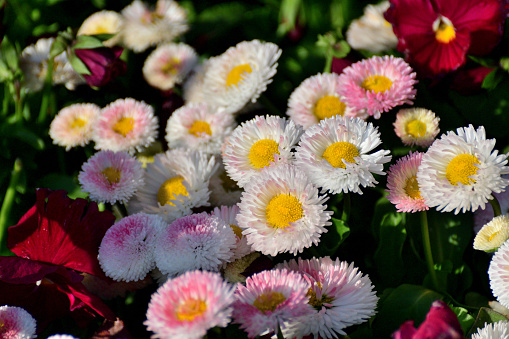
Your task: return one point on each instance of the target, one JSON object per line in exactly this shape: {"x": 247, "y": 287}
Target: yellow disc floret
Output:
{"x": 262, "y": 152}
{"x": 190, "y": 309}
{"x": 416, "y": 128}
{"x": 111, "y": 174}
{"x": 78, "y": 123}
{"x": 339, "y": 151}
{"x": 329, "y": 106}
{"x": 412, "y": 188}
{"x": 269, "y": 301}
{"x": 170, "y": 189}
{"x": 237, "y": 74}
{"x": 282, "y": 210}
{"x": 237, "y": 230}
{"x": 376, "y": 83}
{"x": 200, "y": 127}
{"x": 124, "y": 126}
{"x": 461, "y": 168}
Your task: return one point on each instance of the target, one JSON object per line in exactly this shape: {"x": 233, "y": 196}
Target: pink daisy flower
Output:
{"x": 269, "y": 300}
{"x": 111, "y": 176}
{"x": 16, "y": 323}
{"x": 125, "y": 125}
{"x": 73, "y": 125}
{"x": 199, "y": 241}
{"x": 377, "y": 84}
{"x": 187, "y": 306}
{"x": 127, "y": 249}
{"x": 499, "y": 280}
{"x": 402, "y": 184}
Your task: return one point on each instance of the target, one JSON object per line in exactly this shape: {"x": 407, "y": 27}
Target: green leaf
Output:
{"x": 485, "y": 316}
{"x": 87, "y": 42}
{"x": 341, "y": 49}
{"x": 330, "y": 241}
{"x": 56, "y": 181}
{"x": 9, "y": 54}
{"x": 78, "y": 65}
{"x": 492, "y": 79}
{"x": 26, "y": 136}
{"x": 465, "y": 319}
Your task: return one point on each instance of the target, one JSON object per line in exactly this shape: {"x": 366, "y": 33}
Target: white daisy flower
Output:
{"x": 461, "y": 171}
{"x": 416, "y": 126}
{"x": 175, "y": 182}
{"x": 315, "y": 99}
{"x": 336, "y": 156}
{"x": 199, "y": 126}
{"x": 241, "y": 74}
{"x": 168, "y": 65}
{"x": 281, "y": 211}
{"x": 258, "y": 143}
{"x": 103, "y": 22}
{"x": 499, "y": 279}
{"x": 498, "y": 330}
{"x": 493, "y": 234}
{"x": 228, "y": 214}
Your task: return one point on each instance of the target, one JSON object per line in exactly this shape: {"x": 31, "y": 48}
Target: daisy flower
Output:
{"x": 199, "y": 126}
{"x": 187, "y": 306}
{"x": 125, "y": 125}
{"x": 497, "y": 330}
{"x": 223, "y": 190}
{"x": 416, "y": 126}
{"x": 315, "y": 99}
{"x": 175, "y": 182}
{"x": 281, "y": 211}
{"x": 259, "y": 143}
{"x": 269, "y": 300}
{"x": 493, "y": 234}
{"x": 499, "y": 280}
{"x": 73, "y": 125}
{"x": 16, "y": 323}
{"x": 228, "y": 214}
{"x": 335, "y": 154}
{"x": 111, "y": 176}
{"x": 103, "y": 22}
{"x": 340, "y": 295}
{"x": 402, "y": 184}
{"x": 377, "y": 85}
{"x": 371, "y": 32}
{"x": 484, "y": 216}
{"x": 168, "y": 65}
{"x": 199, "y": 241}
{"x": 240, "y": 74}
{"x": 145, "y": 26}
{"x": 127, "y": 249}
{"x": 460, "y": 171}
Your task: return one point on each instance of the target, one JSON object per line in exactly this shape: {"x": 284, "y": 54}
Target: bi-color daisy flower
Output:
{"x": 103, "y": 22}
{"x": 402, "y": 184}
{"x": 16, "y": 323}
{"x": 125, "y": 125}
{"x": 187, "y": 306}
{"x": 499, "y": 280}
{"x": 336, "y": 154}
{"x": 498, "y": 330}
{"x": 111, "y": 176}
{"x": 317, "y": 98}
{"x": 461, "y": 171}
{"x": 416, "y": 126}
{"x": 493, "y": 234}
{"x": 73, "y": 125}
{"x": 377, "y": 84}
{"x": 258, "y": 143}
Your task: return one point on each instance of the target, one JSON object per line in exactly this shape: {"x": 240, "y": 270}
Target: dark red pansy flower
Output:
{"x": 436, "y": 35}
{"x": 440, "y": 322}
{"x": 54, "y": 241}
{"x": 104, "y": 64}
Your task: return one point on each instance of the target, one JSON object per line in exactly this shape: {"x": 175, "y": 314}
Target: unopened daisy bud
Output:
{"x": 16, "y": 323}
{"x": 416, "y": 126}
{"x": 493, "y": 234}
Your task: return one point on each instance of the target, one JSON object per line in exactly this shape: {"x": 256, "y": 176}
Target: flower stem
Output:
{"x": 427, "y": 250}
{"x": 8, "y": 200}
{"x": 497, "y": 211}
{"x": 328, "y": 62}
{"x": 279, "y": 332}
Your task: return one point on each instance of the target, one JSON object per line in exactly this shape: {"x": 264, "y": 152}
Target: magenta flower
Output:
{"x": 440, "y": 322}
{"x": 55, "y": 240}
{"x": 103, "y": 63}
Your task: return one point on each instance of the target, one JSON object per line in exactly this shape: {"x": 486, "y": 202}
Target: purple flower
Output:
{"x": 103, "y": 63}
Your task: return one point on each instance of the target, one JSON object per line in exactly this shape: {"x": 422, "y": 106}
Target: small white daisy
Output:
{"x": 16, "y": 323}
{"x": 498, "y": 330}
{"x": 240, "y": 74}
{"x": 103, "y": 22}
{"x": 259, "y": 143}
{"x": 416, "y": 126}
{"x": 228, "y": 214}
{"x": 461, "y": 171}
{"x": 315, "y": 99}
{"x": 200, "y": 127}
{"x": 281, "y": 211}
{"x": 493, "y": 234}
{"x": 499, "y": 279}
{"x": 336, "y": 154}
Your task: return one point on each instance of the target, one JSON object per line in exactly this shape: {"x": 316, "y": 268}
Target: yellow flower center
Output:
{"x": 112, "y": 175}
{"x": 444, "y": 30}
{"x": 262, "y": 152}
{"x": 376, "y": 83}
{"x": 171, "y": 67}
{"x": 78, "y": 123}
{"x": 282, "y": 210}
{"x": 124, "y": 126}
{"x": 237, "y": 230}
{"x": 493, "y": 235}
{"x": 461, "y": 168}
{"x": 412, "y": 188}
{"x": 339, "y": 151}
{"x": 329, "y": 106}
{"x": 416, "y": 128}
{"x": 199, "y": 128}
{"x": 170, "y": 189}
{"x": 269, "y": 301}
{"x": 237, "y": 74}
{"x": 191, "y": 309}
{"x": 318, "y": 303}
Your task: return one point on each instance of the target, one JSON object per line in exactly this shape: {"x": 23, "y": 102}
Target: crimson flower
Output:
{"x": 54, "y": 241}
{"x": 440, "y": 322}
{"x": 104, "y": 64}
{"x": 436, "y": 35}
